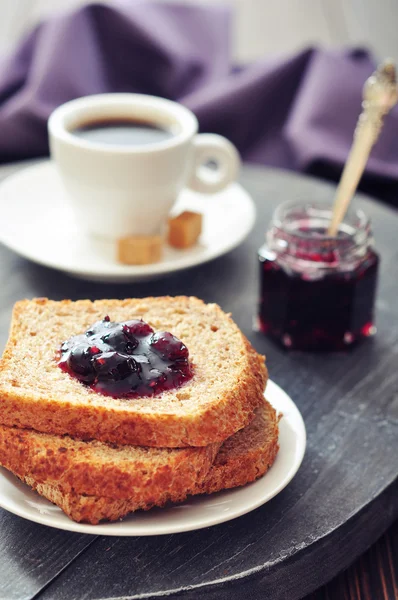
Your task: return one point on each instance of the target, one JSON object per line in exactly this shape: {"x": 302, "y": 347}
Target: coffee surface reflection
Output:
{"x": 123, "y": 132}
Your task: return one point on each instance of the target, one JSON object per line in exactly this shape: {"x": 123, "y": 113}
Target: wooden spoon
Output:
{"x": 380, "y": 94}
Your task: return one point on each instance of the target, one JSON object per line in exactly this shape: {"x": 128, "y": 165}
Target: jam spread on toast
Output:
{"x": 126, "y": 359}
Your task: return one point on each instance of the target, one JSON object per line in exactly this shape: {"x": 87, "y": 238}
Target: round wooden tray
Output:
{"x": 344, "y": 495}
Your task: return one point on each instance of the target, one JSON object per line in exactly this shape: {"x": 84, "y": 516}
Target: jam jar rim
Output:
{"x": 324, "y": 205}
{"x": 295, "y": 246}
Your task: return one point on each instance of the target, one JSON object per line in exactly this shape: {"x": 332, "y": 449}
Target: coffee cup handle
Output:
{"x": 212, "y": 148}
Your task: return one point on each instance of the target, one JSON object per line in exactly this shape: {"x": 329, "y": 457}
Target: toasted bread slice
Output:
{"x": 98, "y": 468}
{"x": 244, "y": 457}
{"x": 228, "y": 382}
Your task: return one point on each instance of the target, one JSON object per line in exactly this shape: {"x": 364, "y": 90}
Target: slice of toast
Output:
{"x": 98, "y": 468}
{"x": 243, "y": 458}
{"x": 228, "y": 382}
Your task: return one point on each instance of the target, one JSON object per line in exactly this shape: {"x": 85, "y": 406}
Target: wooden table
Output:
{"x": 343, "y": 498}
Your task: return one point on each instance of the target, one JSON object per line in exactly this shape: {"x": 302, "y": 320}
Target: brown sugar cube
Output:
{"x": 140, "y": 249}
{"x": 185, "y": 229}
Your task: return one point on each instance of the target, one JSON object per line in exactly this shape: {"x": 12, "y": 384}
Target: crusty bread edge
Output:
{"x": 25, "y": 452}
{"x": 94, "y": 509}
{"x": 244, "y": 469}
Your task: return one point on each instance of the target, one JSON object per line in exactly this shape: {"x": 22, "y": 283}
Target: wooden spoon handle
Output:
{"x": 351, "y": 175}
{"x": 380, "y": 94}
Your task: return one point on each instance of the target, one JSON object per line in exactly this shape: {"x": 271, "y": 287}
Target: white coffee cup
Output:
{"x": 121, "y": 190}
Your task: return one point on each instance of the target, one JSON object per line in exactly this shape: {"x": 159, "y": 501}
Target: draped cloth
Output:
{"x": 296, "y": 112}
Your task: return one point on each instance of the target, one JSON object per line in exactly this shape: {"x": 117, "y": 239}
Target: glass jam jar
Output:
{"x": 317, "y": 292}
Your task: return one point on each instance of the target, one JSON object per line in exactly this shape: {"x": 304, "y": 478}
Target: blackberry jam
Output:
{"x": 126, "y": 359}
{"x": 317, "y": 292}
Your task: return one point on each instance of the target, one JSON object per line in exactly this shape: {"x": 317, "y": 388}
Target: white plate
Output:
{"x": 196, "y": 513}
{"x": 37, "y": 222}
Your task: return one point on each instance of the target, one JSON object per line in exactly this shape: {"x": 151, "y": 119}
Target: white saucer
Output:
{"x": 196, "y": 513}
{"x": 37, "y": 222}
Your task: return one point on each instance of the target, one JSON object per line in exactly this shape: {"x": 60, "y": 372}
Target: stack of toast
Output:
{"x": 99, "y": 457}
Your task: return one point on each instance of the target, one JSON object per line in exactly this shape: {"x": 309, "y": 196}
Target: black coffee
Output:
{"x": 123, "y": 132}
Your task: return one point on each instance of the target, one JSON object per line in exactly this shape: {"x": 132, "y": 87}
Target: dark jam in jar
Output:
{"x": 317, "y": 292}
{"x": 126, "y": 359}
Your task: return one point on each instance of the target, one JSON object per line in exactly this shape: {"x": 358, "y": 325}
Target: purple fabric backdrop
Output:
{"x": 297, "y": 112}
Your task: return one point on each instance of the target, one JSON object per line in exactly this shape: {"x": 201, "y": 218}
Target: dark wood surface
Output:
{"x": 374, "y": 576}
{"x": 343, "y": 498}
